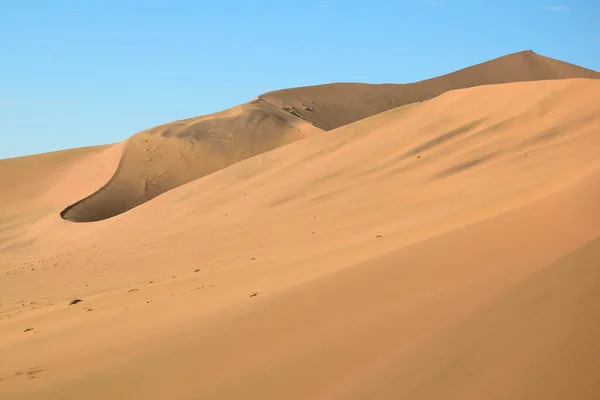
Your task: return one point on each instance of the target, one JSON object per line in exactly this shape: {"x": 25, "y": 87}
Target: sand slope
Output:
{"x": 538, "y": 340}
{"x": 170, "y": 155}
{"x": 333, "y": 105}
{"x": 386, "y": 258}
{"x": 22, "y": 177}
{"x": 34, "y": 186}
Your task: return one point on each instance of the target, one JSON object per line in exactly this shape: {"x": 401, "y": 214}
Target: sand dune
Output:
{"x": 167, "y": 156}
{"x": 412, "y": 254}
{"x": 334, "y": 105}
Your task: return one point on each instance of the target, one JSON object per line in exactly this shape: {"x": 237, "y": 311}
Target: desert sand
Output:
{"x": 437, "y": 249}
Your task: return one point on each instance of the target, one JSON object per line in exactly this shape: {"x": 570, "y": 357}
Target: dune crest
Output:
{"x": 333, "y": 105}
{"x": 167, "y": 156}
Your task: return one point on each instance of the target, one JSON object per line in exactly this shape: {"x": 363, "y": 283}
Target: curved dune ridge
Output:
{"x": 444, "y": 249}
{"x": 167, "y": 156}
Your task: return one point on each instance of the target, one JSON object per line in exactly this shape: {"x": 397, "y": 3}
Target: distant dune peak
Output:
{"x": 170, "y": 155}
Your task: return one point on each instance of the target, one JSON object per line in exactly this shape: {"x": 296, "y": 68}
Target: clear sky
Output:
{"x": 82, "y": 72}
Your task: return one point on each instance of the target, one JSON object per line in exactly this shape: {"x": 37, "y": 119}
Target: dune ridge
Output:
{"x": 334, "y": 105}
{"x": 164, "y": 157}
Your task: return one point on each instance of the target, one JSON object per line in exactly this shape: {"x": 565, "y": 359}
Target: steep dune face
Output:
{"x": 383, "y": 259}
{"x": 170, "y": 155}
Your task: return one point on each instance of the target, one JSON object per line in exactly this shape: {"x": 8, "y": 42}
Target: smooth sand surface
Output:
{"x": 167, "y": 156}
{"x": 34, "y": 186}
{"x": 442, "y": 250}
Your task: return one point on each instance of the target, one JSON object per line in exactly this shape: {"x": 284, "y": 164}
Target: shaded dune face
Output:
{"x": 167, "y": 156}
{"x": 170, "y": 155}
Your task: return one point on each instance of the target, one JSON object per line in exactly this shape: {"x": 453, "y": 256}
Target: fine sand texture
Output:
{"x": 167, "y": 156}
{"x": 446, "y": 249}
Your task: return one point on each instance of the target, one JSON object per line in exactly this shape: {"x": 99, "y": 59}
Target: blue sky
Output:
{"x": 77, "y": 73}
